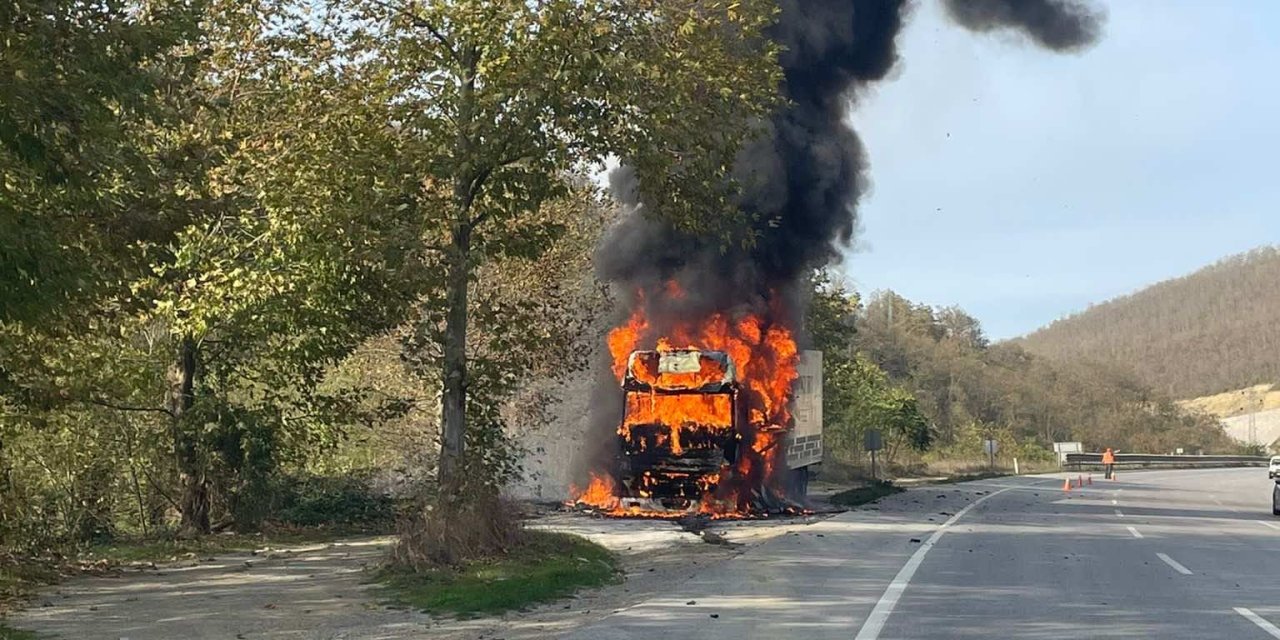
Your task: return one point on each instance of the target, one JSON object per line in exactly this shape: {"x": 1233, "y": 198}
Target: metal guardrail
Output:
{"x": 1081, "y": 460}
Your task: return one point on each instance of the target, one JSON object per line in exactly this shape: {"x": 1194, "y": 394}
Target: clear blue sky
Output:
{"x": 1023, "y": 185}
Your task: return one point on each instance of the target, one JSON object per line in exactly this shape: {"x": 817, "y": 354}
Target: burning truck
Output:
{"x": 692, "y": 438}
{"x": 720, "y": 407}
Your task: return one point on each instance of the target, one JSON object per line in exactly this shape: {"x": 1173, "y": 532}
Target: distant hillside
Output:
{"x": 1215, "y": 330}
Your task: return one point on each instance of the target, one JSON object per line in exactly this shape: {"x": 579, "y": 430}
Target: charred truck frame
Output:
{"x": 684, "y": 428}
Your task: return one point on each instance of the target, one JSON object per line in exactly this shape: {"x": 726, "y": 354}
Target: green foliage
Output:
{"x": 547, "y": 566}
{"x": 486, "y": 146}
{"x": 239, "y": 197}
{"x": 78, "y": 80}
{"x": 929, "y": 379}
{"x": 343, "y": 500}
{"x": 968, "y": 387}
{"x": 968, "y": 445}
{"x": 857, "y": 394}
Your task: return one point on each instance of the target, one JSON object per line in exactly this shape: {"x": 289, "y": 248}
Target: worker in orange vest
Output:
{"x": 1109, "y": 462}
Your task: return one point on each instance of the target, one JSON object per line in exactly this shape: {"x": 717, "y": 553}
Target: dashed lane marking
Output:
{"x": 1260, "y": 621}
{"x": 1175, "y": 564}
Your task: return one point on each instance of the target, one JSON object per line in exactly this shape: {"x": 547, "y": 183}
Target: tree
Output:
{"x": 494, "y": 105}
{"x": 77, "y": 79}
{"x": 857, "y": 394}
{"x": 905, "y": 427}
{"x": 277, "y": 267}
{"x": 961, "y": 383}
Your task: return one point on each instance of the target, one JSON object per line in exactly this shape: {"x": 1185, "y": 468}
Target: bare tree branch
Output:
{"x": 419, "y": 21}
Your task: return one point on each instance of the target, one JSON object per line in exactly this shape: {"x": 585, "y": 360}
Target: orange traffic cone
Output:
{"x": 1066, "y": 485}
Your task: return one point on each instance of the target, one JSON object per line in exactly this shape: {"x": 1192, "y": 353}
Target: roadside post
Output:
{"x": 991, "y": 446}
{"x": 872, "y": 441}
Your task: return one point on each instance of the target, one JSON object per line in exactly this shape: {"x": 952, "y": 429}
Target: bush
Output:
{"x": 450, "y": 531}
{"x": 311, "y": 501}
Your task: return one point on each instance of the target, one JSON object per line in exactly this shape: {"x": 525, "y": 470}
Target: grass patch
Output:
{"x": 546, "y": 567}
{"x": 863, "y": 495}
{"x": 9, "y": 633}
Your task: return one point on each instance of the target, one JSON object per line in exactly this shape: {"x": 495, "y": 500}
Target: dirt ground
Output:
{"x": 320, "y": 592}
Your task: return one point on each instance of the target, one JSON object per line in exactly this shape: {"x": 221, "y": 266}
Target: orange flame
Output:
{"x": 764, "y": 356}
{"x": 600, "y": 493}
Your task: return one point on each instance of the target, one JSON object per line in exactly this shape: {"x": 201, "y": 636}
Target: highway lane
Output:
{"x": 1169, "y": 554}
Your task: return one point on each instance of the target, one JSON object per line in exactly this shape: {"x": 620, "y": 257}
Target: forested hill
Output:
{"x": 1208, "y": 332}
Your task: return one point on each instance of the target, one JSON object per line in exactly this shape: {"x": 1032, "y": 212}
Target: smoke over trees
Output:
{"x": 801, "y": 178}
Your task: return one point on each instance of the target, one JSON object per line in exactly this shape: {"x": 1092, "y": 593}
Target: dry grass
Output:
{"x": 451, "y": 531}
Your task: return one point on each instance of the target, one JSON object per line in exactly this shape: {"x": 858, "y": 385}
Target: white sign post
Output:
{"x": 991, "y": 446}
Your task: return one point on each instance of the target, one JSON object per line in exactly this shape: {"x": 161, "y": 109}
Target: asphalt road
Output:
{"x": 1188, "y": 554}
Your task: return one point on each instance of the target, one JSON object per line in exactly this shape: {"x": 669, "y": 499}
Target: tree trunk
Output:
{"x": 195, "y": 501}
{"x": 453, "y": 401}
{"x": 454, "y": 396}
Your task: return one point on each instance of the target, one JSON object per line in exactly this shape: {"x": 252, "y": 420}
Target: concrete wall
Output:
{"x": 554, "y": 445}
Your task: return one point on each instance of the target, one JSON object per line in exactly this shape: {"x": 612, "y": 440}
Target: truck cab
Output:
{"x": 679, "y": 427}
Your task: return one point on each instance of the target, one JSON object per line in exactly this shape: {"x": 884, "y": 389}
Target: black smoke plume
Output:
{"x": 1061, "y": 25}
{"x": 802, "y": 178}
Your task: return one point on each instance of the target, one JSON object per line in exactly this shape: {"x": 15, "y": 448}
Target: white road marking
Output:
{"x": 1260, "y": 621}
{"x": 1119, "y": 513}
{"x": 1174, "y": 563}
{"x": 1135, "y": 532}
{"x": 1268, "y": 524}
{"x": 1114, "y": 501}
{"x": 880, "y": 614}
